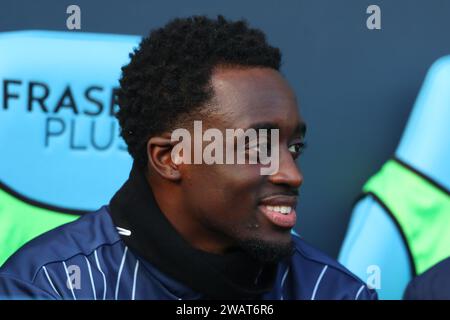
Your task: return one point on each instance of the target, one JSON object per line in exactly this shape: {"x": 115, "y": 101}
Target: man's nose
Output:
{"x": 288, "y": 171}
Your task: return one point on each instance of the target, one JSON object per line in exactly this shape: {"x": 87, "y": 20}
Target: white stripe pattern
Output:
{"x": 134, "y": 279}
{"x": 283, "y": 279}
{"x": 90, "y": 276}
{"x": 103, "y": 275}
{"x": 359, "y": 292}
{"x": 50, "y": 281}
{"x": 69, "y": 282}
{"x": 313, "y": 296}
{"x": 120, "y": 272}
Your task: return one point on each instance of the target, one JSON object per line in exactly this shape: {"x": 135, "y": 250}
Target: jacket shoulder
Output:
{"x": 82, "y": 236}
{"x": 308, "y": 252}
{"x": 327, "y": 278}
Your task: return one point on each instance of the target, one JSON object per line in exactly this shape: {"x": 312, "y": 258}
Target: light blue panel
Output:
{"x": 62, "y": 158}
{"x": 426, "y": 141}
{"x": 373, "y": 239}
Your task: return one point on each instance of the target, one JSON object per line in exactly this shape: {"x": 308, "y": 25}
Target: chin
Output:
{"x": 269, "y": 250}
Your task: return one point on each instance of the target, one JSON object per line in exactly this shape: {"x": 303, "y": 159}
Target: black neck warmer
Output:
{"x": 233, "y": 275}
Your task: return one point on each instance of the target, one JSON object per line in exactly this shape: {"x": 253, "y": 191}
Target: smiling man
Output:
{"x": 179, "y": 230}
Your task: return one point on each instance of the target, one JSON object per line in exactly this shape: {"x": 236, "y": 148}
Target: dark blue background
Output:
{"x": 356, "y": 86}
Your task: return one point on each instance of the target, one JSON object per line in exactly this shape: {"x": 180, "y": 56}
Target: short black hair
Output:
{"x": 168, "y": 77}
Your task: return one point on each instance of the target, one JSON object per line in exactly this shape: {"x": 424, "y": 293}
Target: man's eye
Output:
{"x": 254, "y": 148}
{"x": 258, "y": 147}
{"x": 297, "y": 148}
{"x": 261, "y": 149}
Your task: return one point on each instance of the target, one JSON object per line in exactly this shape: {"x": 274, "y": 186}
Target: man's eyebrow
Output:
{"x": 263, "y": 125}
{"x": 300, "y": 129}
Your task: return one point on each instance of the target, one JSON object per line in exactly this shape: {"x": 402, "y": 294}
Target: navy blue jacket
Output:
{"x": 91, "y": 249}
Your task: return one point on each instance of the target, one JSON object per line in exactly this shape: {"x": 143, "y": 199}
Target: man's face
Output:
{"x": 234, "y": 203}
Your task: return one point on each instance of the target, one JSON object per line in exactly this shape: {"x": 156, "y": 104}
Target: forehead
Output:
{"x": 254, "y": 95}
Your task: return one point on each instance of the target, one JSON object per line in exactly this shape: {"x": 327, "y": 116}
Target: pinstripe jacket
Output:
{"x": 88, "y": 259}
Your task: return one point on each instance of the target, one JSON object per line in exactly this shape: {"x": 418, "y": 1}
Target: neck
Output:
{"x": 184, "y": 221}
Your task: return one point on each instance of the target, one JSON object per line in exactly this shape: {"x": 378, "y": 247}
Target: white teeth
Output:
{"x": 280, "y": 209}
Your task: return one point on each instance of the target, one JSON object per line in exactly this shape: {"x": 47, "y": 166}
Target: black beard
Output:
{"x": 266, "y": 251}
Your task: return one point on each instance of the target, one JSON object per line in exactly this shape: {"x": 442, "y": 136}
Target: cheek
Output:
{"x": 227, "y": 191}
{"x": 241, "y": 180}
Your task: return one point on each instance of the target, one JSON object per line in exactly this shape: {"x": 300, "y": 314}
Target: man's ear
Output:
{"x": 159, "y": 151}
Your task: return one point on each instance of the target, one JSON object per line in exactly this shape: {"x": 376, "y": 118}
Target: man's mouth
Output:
{"x": 280, "y": 210}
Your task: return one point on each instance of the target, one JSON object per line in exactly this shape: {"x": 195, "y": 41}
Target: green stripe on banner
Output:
{"x": 20, "y": 222}
{"x": 421, "y": 209}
